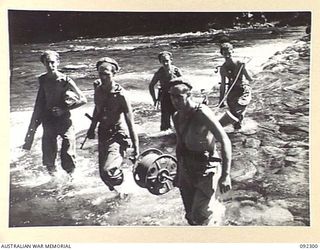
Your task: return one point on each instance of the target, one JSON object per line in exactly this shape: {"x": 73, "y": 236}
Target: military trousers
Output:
{"x": 52, "y": 129}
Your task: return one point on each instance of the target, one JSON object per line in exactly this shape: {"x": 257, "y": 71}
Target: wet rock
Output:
{"x": 275, "y": 216}
{"x": 250, "y": 131}
{"x": 276, "y": 163}
{"x": 297, "y": 144}
{"x": 249, "y": 152}
{"x": 247, "y": 203}
{"x": 267, "y": 140}
{"x": 278, "y": 68}
{"x": 232, "y": 213}
{"x": 245, "y": 195}
{"x": 252, "y": 143}
{"x": 250, "y": 215}
{"x": 280, "y": 203}
{"x": 271, "y": 151}
{"x": 290, "y": 161}
{"x": 269, "y": 127}
{"x": 299, "y": 207}
{"x": 295, "y": 151}
{"x": 293, "y": 128}
{"x": 244, "y": 171}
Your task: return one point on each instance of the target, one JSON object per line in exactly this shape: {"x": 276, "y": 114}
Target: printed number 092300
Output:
{"x": 308, "y": 245}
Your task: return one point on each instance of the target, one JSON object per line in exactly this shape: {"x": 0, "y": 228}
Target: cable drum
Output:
{"x": 155, "y": 171}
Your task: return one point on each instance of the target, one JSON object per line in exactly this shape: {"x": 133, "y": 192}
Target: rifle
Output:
{"x": 233, "y": 83}
{"x": 28, "y": 140}
{"x": 85, "y": 139}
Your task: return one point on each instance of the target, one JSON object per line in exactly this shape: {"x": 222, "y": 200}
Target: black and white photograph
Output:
{"x": 159, "y": 122}
{"x": 159, "y": 118}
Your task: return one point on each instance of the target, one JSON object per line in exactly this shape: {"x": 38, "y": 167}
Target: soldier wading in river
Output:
{"x": 57, "y": 95}
{"x": 239, "y": 92}
{"x": 111, "y": 107}
{"x": 165, "y": 73}
{"x": 200, "y": 170}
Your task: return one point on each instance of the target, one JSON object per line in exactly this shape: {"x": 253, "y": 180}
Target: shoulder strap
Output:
{"x": 68, "y": 79}
{"x": 239, "y": 67}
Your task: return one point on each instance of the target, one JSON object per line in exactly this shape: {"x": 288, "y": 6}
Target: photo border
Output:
{"x": 151, "y": 234}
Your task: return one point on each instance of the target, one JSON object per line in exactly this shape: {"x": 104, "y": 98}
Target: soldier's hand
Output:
{"x": 133, "y": 154}
{"x": 155, "y": 102}
{"x": 225, "y": 183}
{"x": 28, "y": 140}
{"x": 91, "y": 134}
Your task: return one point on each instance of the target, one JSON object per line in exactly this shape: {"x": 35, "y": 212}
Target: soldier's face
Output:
{"x": 179, "y": 101}
{"x": 51, "y": 63}
{"x": 166, "y": 61}
{"x": 106, "y": 71}
{"x": 226, "y": 53}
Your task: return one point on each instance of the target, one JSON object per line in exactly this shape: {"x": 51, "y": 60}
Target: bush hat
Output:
{"x": 108, "y": 60}
{"x": 180, "y": 85}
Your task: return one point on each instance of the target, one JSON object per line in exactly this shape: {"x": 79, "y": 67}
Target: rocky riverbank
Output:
{"x": 270, "y": 169}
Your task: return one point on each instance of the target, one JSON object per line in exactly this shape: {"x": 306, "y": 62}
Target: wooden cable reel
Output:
{"x": 155, "y": 171}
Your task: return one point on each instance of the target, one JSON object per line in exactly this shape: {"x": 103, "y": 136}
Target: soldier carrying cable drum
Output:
{"x": 200, "y": 170}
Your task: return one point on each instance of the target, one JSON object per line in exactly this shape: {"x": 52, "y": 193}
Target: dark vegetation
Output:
{"x": 52, "y": 26}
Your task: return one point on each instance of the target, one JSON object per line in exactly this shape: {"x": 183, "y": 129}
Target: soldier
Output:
{"x": 232, "y": 79}
{"x": 199, "y": 167}
{"x": 165, "y": 73}
{"x": 57, "y": 95}
{"x": 111, "y": 106}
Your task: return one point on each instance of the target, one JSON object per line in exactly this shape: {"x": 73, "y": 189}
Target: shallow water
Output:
{"x": 36, "y": 199}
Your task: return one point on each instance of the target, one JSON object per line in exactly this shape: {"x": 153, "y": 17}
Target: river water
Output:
{"x": 195, "y": 53}
{"x": 36, "y": 199}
